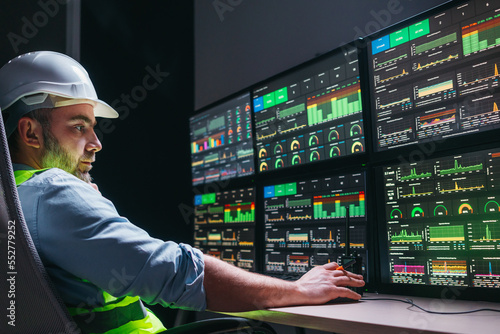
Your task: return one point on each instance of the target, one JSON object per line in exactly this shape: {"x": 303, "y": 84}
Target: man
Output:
{"x": 102, "y": 264}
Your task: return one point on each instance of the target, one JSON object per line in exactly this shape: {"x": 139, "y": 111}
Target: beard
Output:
{"x": 55, "y": 156}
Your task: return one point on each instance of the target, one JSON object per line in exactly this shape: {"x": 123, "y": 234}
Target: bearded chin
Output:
{"x": 84, "y": 176}
{"x": 54, "y": 156}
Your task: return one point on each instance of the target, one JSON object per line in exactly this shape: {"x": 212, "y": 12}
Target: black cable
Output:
{"x": 409, "y": 301}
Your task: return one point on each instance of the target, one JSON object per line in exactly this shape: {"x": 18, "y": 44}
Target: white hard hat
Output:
{"x": 46, "y": 79}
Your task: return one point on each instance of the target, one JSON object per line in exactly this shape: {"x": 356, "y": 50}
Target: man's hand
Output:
{"x": 93, "y": 185}
{"x": 233, "y": 289}
{"x": 324, "y": 283}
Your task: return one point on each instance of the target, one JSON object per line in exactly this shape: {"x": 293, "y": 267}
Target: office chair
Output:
{"x": 27, "y": 293}
{"x": 30, "y": 300}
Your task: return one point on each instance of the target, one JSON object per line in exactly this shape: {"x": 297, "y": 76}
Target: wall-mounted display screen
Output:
{"x": 312, "y": 113}
{"x": 225, "y": 226}
{"x": 442, "y": 221}
{"x": 221, "y": 141}
{"x": 305, "y": 222}
{"x": 436, "y": 78}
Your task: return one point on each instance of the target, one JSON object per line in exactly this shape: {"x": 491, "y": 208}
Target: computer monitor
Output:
{"x": 441, "y": 223}
{"x": 435, "y": 78}
{"x": 310, "y": 113}
{"x": 305, "y": 222}
{"x": 224, "y": 225}
{"x": 221, "y": 141}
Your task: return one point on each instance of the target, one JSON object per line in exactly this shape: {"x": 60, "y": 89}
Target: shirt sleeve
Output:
{"x": 81, "y": 232}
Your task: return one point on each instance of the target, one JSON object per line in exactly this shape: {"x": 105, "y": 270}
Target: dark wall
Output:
{"x": 29, "y": 25}
{"x": 140, "y": 59}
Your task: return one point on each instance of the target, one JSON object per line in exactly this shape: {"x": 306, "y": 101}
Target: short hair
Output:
{"x": 42, "y": 116}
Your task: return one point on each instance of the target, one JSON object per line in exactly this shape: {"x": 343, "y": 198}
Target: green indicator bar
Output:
{"x": 312, "y": 113}
{"x": 399, "y": 37}
{"x": 466, "y": 42}
{"x": 216, "y": 123}
{"x": 291, "y": 188}
{"x": 329, "y": 211}
{"x": 281, "y": 95}
{"x": 200, "y": 131}
{"x": 471, "y": 43}
{"x": 335, "y": 104}
{"x": 216, "y": 209}
{"x": 482, "y": 37}
{"x": 419, "y": 29}
{"x": 488, "y": 233}
{"x": 279, "y": 190}
{"x": 344, "y": 108}
{"x": 434, "y": 44}
{"x": 357, "y": 105}
{"x": 239, "y": 213}
{"x": 208, "y": 198}
{"x": 335, "y": 207}
{"x": 446, "y": 233}
{"x": 299, "y": 202}
{"x": 269, "y": 100}
{"x": 292, "y": 110}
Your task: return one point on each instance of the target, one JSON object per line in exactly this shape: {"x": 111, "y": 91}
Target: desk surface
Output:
{"x": 385, "y": 316}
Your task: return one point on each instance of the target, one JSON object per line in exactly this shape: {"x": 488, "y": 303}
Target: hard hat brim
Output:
{"x": 102, "y": 109}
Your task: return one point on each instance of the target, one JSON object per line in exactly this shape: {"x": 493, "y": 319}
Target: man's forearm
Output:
{"x": 230, "y": 288}
{"x": 233, "y": 289}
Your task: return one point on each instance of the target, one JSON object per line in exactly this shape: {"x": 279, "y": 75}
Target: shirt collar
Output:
{"x": 21, "y": 167}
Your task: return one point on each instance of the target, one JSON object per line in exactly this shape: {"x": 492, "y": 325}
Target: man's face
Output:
{"x": 71, "y": 143}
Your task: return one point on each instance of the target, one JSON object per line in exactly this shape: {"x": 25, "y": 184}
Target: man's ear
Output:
{"x": 30, "y": 132}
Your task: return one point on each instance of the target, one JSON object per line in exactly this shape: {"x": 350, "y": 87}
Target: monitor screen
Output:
{"x": 221, "y": 141}
{"x": 305, "y": 222}
{"x": 442, "y": 221}
{"x": 225, "y": 226}
{"x": 311, "y": 113}
{"x": 435, "y": 77}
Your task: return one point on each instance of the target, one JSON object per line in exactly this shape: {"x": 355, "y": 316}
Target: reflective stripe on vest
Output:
{"x": 112, "y": 315}
{"x": 117, "y": 315}
{"x": 22, "y": 176}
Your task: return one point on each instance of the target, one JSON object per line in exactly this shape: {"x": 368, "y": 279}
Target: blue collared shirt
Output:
{"x": 87, "y": 247}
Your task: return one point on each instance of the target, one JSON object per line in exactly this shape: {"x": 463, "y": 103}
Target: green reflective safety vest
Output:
{"x": 22, "y": 176}
{"x": 117, "y": 315}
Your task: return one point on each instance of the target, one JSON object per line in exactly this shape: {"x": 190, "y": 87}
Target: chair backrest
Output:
{"x": 28, "y": 301}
